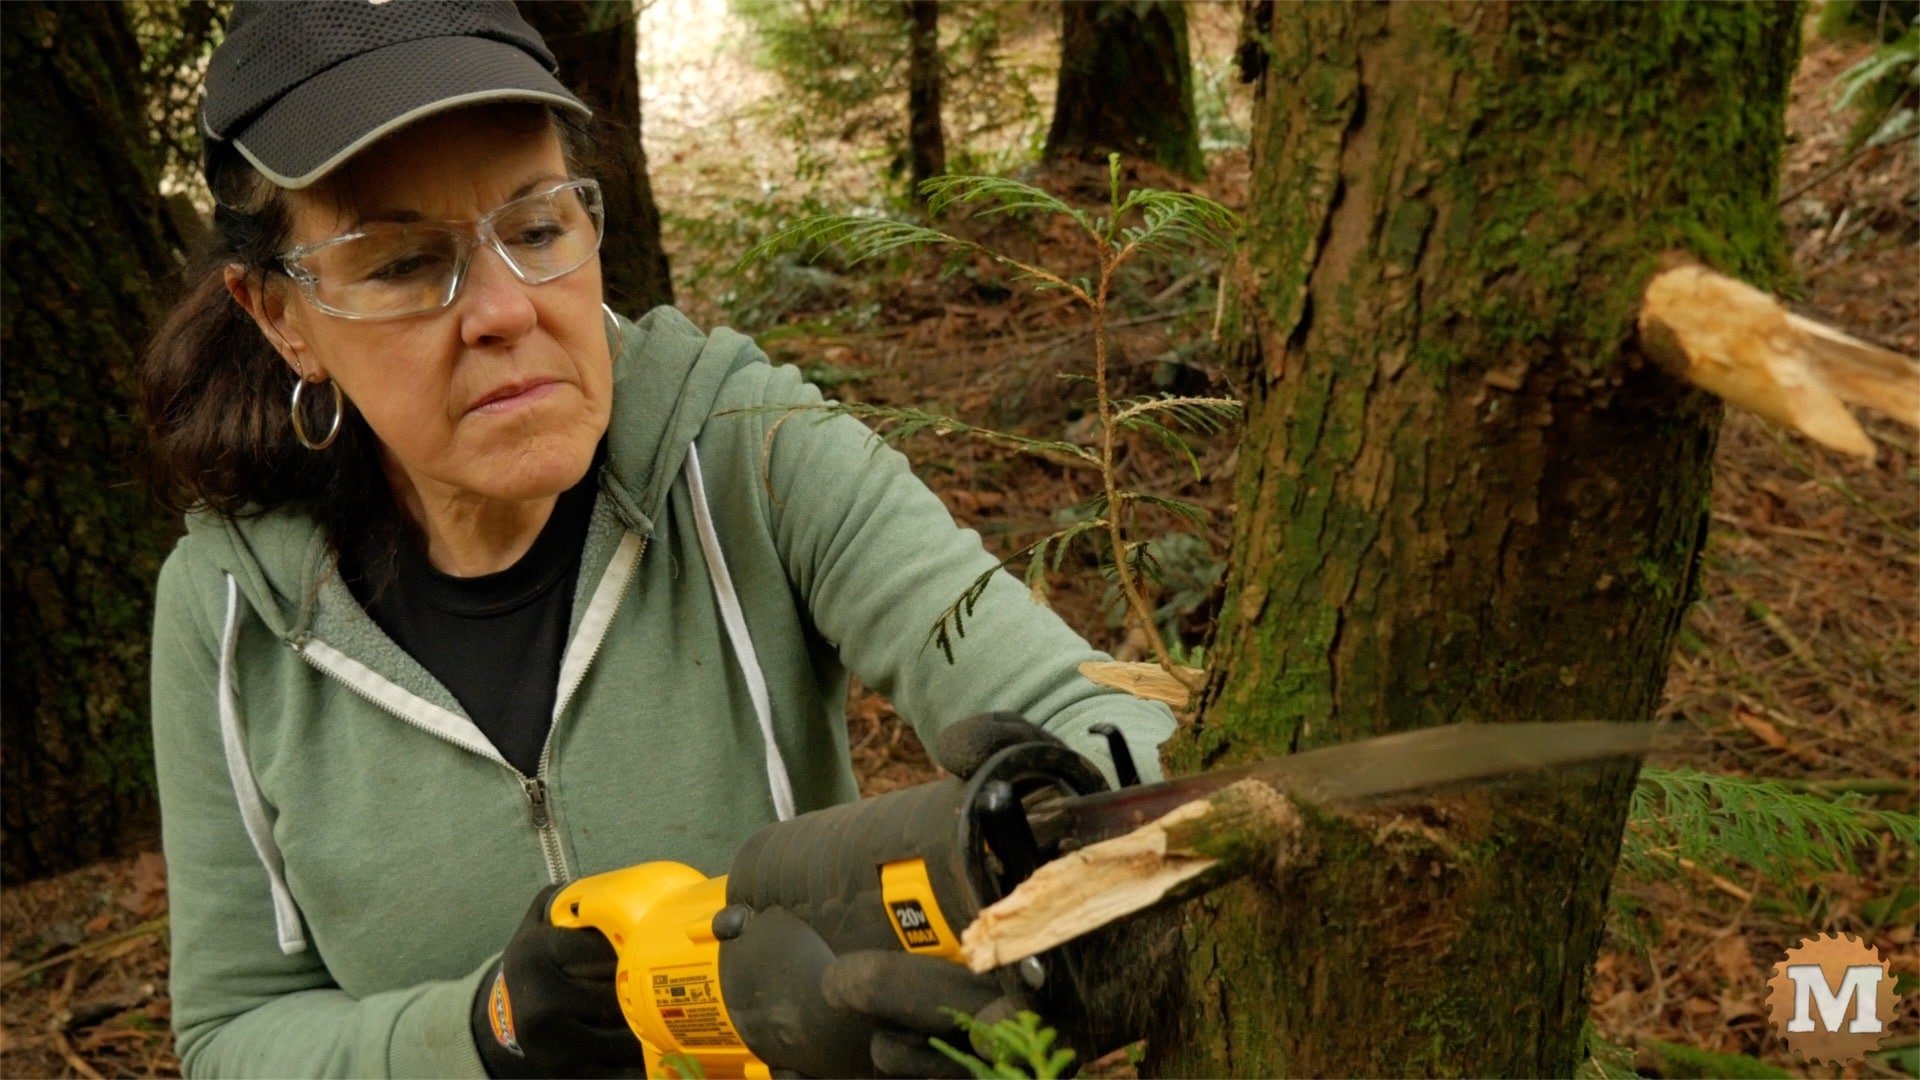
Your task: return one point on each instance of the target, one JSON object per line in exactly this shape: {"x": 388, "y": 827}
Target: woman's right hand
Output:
{"x": 549, "y": 1008}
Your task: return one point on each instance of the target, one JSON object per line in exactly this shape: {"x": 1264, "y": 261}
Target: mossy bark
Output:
{"x": 1461, "y": 495}
{"x": 87, "y": 247}
{"x": 597, "y": 47}
{"x": 1126, "y": 85}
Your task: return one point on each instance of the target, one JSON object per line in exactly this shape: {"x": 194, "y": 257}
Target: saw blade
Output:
{"x": 1353, "y": 774}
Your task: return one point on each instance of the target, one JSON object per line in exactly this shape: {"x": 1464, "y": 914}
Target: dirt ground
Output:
{"x": 1801, "y": 660}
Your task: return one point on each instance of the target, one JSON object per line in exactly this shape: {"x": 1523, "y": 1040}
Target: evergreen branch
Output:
{"x": 1175, "y": 220}
{"x": 1178, "y": 507}
{"x": 1685, "y": 819}
{"x": 1057, "y": 543}
{"x": 1202, "y": 414}
{"x": 893, "y": 423}
{"x": 1045, "y": 278}
{"x": 1168, "y": 437}
{"x": 861, "y": 237}
{"x": 1004, "y": 196}
{"x": 1206, "y": 414}
{"x": 952, "y": 623}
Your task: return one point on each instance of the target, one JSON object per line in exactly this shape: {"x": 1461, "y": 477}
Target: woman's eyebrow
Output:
{"x": 404, "y": 216}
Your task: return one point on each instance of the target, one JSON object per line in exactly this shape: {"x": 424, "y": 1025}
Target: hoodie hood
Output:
{"x": 667, "y": 374}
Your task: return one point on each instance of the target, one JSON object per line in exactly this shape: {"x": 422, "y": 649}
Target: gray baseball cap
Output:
{"x": 300, "y": 86}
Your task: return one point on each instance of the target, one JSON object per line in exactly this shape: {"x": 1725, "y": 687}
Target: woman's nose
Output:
{"x": 495, "y": 308}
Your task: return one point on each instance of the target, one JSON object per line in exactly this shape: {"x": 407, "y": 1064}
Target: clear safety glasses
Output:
{"x": 386, "y": 270}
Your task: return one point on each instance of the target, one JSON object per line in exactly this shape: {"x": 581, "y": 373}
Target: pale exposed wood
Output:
{"x": 1862, "y": 373}
{"x": 1230, "y": 832}
{"x": 1739, "y": 343}
{"x": 1149, "y": 681}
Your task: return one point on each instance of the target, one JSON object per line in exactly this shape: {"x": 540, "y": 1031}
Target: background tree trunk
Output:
{"x": 1461, "y": 494}
{"x": 1126, "y": 85}
{"x": 926, "y": 140}
{"x": 86, "y": 246}
{"x": 595, "y": 43}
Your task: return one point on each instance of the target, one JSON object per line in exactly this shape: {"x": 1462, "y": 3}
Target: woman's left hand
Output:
{"x": 914, "y": 999}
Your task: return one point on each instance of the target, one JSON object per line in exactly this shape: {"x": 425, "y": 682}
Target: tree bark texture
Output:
{"x": 1462, "y": 495}
{"x": 1126, "y": 85}
{"x": 87, "y": 245}
{"x": 596, "y": 44}
{"x": 926, "y": 139}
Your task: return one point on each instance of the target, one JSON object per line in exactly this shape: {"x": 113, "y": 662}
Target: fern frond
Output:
{"x": 1783, "y": 834}
{"x": 861, "y": 237}
{"x": 999, "y": 194}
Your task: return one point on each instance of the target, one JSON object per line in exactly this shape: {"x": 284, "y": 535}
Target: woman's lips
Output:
{"x": 514, "y": 396}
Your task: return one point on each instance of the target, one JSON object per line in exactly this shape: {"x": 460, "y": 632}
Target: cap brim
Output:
{"x": 318, "y": 125}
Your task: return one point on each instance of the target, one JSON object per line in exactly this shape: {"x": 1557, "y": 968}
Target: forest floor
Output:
{"x": 1801, "y": 659}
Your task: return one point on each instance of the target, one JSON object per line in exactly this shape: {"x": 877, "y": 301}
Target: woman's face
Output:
{"x": 503, "y": 395}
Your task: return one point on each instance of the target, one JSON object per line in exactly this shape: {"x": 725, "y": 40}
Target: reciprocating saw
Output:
{"x": 723, "y": 974}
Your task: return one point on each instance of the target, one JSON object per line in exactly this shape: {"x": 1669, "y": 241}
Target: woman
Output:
{"x": 486, "y": 588}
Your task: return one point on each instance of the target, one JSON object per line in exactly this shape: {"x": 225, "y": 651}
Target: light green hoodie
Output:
{"x": 346, "y": 851}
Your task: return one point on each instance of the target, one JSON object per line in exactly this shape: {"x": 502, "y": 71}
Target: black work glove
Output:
{"x": 965, "y": 746}
{"x": 549, "y": 1008}
{"x": 909, "y": 995}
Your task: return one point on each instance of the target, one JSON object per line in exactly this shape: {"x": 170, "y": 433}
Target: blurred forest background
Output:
{"x": 1797, "y": 669}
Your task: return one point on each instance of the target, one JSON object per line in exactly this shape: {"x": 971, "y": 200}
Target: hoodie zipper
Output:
{"x": 539, "y": 797}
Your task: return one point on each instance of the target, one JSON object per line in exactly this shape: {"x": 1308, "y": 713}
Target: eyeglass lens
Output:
{"x": 402, "y": 269}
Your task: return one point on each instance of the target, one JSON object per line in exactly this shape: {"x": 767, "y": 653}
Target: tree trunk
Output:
{"x": 1126, "y": 85}
{"x": 86, "y": 243}
{"x": 926, "y": 141}
{"x": 1462, "y": 495}
{"x": 595, "y": 42}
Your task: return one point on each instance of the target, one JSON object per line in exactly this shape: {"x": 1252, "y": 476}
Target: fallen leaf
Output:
{"x": 1762, "y": 729}
{"x": 99, "y": 922}
{"x": 1734, "y": 958}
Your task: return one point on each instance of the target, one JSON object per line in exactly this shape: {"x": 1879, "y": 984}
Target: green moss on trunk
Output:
{"x": 1461, "y": 494}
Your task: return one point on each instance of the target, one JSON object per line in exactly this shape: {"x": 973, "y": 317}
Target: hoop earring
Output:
{"x": 300, "y": 424}
{"x": 613, "y": 329}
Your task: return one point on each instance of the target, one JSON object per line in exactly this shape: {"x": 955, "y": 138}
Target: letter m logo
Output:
{"x": 1857, "y": 996}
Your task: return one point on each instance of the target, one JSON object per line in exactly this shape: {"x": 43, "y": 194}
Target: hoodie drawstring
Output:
{"x": 735, "y": 621}
{"x": 253, "y": 809}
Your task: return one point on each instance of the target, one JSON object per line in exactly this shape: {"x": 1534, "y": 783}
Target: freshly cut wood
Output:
{"x": 1149, "y": 681}
{"x": 1739, "y": 343}
{"x": 1188, "y": 850}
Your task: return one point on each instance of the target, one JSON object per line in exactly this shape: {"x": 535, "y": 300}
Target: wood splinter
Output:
{"x": 1189, "y": 850}
{"x": 1739, "y": 343}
